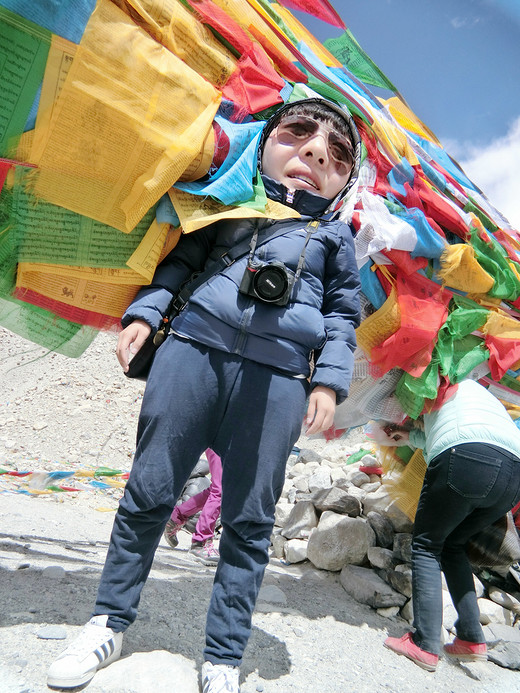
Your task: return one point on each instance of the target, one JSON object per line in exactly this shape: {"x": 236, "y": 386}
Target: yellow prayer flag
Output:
{"x": 196, "y": 212}
{"x": 130, "y": 119}
{"x": 173, "y": 25}
{"x": 380, "y": 325}
{"x": 251, "y": 13}
{"x": 149, "y": 252}
{"x": 500, "y": 325}
{"x": 461, "y": 270}
{"x": 407, "y": 118}
{"x": 98, "y": 290}
{"x": 393, "y": 139}
{"x": 406, "y": 488}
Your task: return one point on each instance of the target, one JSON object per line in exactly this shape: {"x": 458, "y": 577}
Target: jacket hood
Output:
{"x": 309, "y": 203}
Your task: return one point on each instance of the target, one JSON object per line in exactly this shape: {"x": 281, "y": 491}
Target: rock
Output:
{"x": 402, "y": 547}
{"x": 307, "y": 455}
{"x": 357, "y": 478}
{"x": 382, "y": 527}
{"x": 54, "y": 572}
{"x": 278, "y": 543}
{"x": 40, "y": 425}
{"x": 320, "y": 479}
{"x": 147, "y": 671}
{"x": 381, "y": 558}
{"x": 337, "y": 500}
{"x": 496, "y": 632}
{"x": 282, "y": 512}
{"x": 367, "y": 588}
{"x": 287, "y": 488}
{"x": 371, "y": 486}
{"x": 407, "y": 611}
{"x": 52, "y": 633}
{"x": 478, "y": 671}
{"x": 310, "y": 468}
{"x": 493, "y": 613}
{"x": 339, "y": 540}
{"x": 337, "y": 474}
{"x": 505, "y": 654}
{"x": 272, "y": 594}
{"x": 295, "y": 550}
{"x": 354, "y": 491}
{"x": 301, "y": 483}
{"x": 504, "y": 599}
{"x": 378, "y": 501}
{"x": 400, "y": 579}
{"x": 388, "y": 612}
{"x": 301, "y": 520}
{"x": 296, "y": 470}
{"x": 400, "y": 522}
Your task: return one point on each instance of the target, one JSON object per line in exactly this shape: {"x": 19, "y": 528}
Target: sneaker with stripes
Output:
{"x": 220, "y": 678}
{"x": 95, "y": 647}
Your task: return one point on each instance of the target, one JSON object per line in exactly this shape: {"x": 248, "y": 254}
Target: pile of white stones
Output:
{"x": 343, "y": 520}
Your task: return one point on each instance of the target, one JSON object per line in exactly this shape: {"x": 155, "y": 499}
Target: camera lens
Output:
{"x": 270, "y": 283}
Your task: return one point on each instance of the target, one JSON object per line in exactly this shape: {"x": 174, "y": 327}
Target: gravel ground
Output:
{"x": 65, "y": 415}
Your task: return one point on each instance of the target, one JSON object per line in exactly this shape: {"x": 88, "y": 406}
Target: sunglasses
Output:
{"x": 299, "y": 129}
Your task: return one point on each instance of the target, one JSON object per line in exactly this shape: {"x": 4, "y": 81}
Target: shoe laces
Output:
{"x": 221, "y": 678}
{"x": 209, "y": 549}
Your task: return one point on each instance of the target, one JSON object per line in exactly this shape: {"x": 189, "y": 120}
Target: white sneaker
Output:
{"x": 95, "y": 647}
{"x": 220, "y": 678}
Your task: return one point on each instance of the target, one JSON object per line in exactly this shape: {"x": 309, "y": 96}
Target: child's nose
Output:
{"x": 317, "y": 147}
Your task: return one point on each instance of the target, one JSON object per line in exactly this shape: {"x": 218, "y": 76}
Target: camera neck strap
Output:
{"x": 310, "y": 229}
{"x": 179, "y": 301}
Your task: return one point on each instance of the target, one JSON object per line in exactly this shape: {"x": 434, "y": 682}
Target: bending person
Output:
{"x": 472, "y": 449}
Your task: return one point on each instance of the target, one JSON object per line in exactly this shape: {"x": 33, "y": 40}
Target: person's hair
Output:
{"x": 322, "y": 114}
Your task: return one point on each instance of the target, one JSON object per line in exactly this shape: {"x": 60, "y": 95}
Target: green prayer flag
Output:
{"x": 350, "y": 54}
{"x": 23, "y": 64}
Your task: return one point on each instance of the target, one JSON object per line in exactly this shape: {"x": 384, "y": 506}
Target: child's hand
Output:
{"x": 131, "y": 339}
{"x": 320, "y": 412}
{"x": 397, "y": 437}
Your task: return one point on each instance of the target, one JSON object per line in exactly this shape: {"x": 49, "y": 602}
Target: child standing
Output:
{"x": 208, "y": 503}
{"x": 234, "y": 375}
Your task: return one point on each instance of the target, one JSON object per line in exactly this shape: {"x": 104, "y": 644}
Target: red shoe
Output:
{"x": 406, "y": 646}
{"x": 467, "y": 651}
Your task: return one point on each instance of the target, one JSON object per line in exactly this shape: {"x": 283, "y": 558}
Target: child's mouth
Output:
{"x": 306, "y": 180}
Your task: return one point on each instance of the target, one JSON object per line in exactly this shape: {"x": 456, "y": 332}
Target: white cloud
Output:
{"x": 495, "y": 169}
{"x": 462, "y": 22}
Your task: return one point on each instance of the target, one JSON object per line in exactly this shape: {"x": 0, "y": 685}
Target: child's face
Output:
{"x": 304, "y": 154}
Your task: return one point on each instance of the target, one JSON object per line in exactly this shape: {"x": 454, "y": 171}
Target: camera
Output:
{"x": 268, "y": 282}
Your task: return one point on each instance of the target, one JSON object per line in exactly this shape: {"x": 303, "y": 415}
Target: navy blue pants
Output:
{"x": 249, "y": 414}
{"x": 466, "y": 488}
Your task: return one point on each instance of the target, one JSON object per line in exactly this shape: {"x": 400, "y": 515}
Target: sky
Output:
{"x": 457, "y": 65}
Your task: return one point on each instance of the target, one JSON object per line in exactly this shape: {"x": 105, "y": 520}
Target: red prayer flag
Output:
{"x": 503, "y": 354}
{"x": 99, "y": 321}
{"x": 254, "y": 84}
{"x": 4, "y": 170}
{"x": 322, "y": 9}
{"x": 424, "y": 308}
